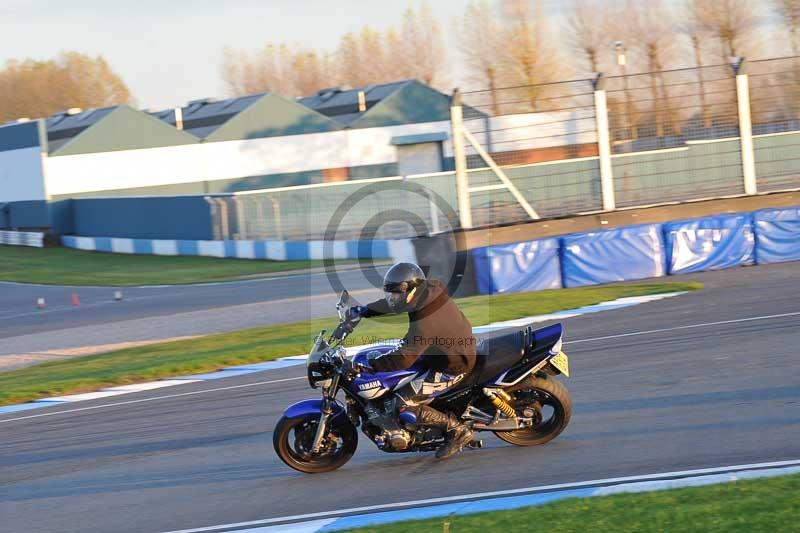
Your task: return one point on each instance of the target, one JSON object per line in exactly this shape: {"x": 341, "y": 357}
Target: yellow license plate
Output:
{"x": 561, "y": 362}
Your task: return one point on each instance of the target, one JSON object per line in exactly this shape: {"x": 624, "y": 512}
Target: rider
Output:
{"x": 438, "y": 332}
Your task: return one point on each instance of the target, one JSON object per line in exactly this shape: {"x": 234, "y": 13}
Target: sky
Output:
{"x": 170, "y": 51}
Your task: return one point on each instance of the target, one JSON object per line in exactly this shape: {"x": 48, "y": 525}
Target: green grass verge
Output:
{"x": 753, "y": 505}
{"x": 271, "y": 342}
{"x": 65, "y": 266}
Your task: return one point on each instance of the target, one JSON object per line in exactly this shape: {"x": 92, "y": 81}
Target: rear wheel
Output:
{"x": 547, "y": 402}
{"x": 293, "y": 439}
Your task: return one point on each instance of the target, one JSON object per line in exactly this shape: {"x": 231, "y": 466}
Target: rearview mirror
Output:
{"x": 343, "y": 298}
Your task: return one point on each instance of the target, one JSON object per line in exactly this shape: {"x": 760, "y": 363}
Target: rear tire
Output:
{"x": 541, "y": 395}
{"x": 292, "y": 437}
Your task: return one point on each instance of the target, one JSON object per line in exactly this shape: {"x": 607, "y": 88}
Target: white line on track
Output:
{"x": 482, "y": 495}
{"x": 155, "y": 398}
{"x": 706, "y": 324}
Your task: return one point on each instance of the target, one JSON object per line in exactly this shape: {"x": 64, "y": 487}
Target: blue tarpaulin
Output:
{"x": 523, "y": 266}
{"x": 619, "y": 254}
{"x": 777, "y": 235}
{"x": 709, "y": 243}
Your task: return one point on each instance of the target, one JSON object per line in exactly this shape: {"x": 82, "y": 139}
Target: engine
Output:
{"x": 386, "y": 430}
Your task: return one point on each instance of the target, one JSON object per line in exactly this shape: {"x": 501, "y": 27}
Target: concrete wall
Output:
{"x": 701, "y": 169}
{"x": 777, "y": 158}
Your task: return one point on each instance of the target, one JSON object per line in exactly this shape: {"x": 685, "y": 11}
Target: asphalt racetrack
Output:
{"x": 697, "y": 381}
{"x": 156, "y": 313}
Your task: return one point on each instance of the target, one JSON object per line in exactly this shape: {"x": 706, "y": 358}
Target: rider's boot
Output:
{"x": 459, "y": 433}
{"x": 459, "y": 436}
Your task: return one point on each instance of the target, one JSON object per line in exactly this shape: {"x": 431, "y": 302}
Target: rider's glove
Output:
{"x": 344, "y": 328}
{"x": 355, "y": 313}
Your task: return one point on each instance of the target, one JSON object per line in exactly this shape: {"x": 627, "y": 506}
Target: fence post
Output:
{"x": 213, "y": 210}
{"x": 460, "y": 157}
{"x": 604, "y": 148}
{"x": 746, "y": 134}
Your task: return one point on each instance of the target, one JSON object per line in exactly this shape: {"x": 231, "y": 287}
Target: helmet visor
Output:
{"x": 401, "y": 286}
{"x": 396, "y": 300}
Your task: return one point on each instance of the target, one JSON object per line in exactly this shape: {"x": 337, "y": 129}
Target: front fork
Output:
{"x": 328, "y": 395}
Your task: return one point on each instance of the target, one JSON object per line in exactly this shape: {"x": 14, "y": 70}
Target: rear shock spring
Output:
{"x": 500, "y": 399}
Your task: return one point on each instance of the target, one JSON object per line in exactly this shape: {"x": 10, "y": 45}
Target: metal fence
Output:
{"x": 383, "y": 208}
{"x": 671, "y": 136}
{"x": 678, "y": 132}
{"x": 546, "y": 137}
{"x": 775, "y": 108}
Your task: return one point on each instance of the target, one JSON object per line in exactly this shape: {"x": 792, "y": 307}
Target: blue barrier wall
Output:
{"x": 400, "y": 250}
{"x": 620, "y": 254}
{"x": 777, "y": 235}
{"x": 637, "y": 252}
{"x": 524, "y": 266}
{"x": 62, "y": 221}
{"x": 710, "y": 243}
{"x": 27, "y": 214}
{"x": 177, "y": 217}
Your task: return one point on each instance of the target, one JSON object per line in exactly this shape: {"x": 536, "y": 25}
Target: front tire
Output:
{"x": 293, "y": 437}
{"x": 549, "y": 400}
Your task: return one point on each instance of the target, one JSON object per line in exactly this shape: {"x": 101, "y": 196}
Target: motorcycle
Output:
{"x": 510, "y": 393}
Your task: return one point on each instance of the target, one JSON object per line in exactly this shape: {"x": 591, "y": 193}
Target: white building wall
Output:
{"x": 372, "y": 146}
{"x": 542, "y": 130}
{"x": 125, "y": 169}
{"x": 275, "y": 155}
{"x": 21, "y": 175}
{"x": 129, "y": 169}
{"x": 170, "y": 165}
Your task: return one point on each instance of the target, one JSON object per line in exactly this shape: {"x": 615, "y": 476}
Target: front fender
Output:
{"x": 309, "y": 408}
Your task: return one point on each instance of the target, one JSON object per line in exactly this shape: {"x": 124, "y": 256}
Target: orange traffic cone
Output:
{"x": 75, "y": 300}
{"x": 40, "y": 303}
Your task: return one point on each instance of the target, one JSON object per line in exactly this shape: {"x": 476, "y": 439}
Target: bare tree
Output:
{"x": 374, "y": 64}
{"x": 789, "y": 84}
{"x": 34, "y": 89}
{"x": 789, "y": 11}
{"x": 267, "y": 70}
{"x": 732, "y": 23}
{"x": 587, "y": 31}
{"x": 480, "y": 42}
{"x": 422, "y": 51}
{"x": 309, "y": 72}
{"x": 529, "y": 59}
{"x": 275, "y": 68}
{"x": 691, "y": 24}
{"x": 348, "y": 57}
{"x": 651, "y": 31}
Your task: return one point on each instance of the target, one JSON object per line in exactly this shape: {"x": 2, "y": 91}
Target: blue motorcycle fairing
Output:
{"x": 547, "y": 336}
{"x": 363, "y": 356}
{"x": 379, "y": 382}
{"x": 309, "y": 408}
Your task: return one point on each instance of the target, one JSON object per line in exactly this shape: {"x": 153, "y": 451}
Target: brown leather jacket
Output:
{"x": 438, "y": 332}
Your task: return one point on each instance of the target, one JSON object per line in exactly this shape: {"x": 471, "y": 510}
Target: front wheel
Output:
{"x": 549, "y": 404}
{"x": 294, "y": 437}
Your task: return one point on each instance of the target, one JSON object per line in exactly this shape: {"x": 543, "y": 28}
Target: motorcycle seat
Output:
{"x": 498, "y": 353}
